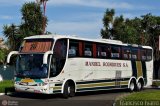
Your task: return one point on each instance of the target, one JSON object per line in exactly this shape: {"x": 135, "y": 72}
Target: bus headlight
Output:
{"x": 17, "y": 82}
{"x": 42, "y": 84}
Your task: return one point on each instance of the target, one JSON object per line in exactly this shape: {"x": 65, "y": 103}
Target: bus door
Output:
{"x": 58, "y": 58}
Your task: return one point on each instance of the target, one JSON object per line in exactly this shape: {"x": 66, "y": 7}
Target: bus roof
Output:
{"x": 109, "y": 41}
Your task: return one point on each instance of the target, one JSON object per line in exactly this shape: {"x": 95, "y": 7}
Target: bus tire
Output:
{"x": 72, "y": 91}
{"x": 69, "y": 90}
{"x": 65, "y": 91}
{"x": 132, "y": 86}
{"x": 140, "y": 85}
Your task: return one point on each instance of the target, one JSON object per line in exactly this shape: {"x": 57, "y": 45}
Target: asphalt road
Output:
{"x": 99, "y": 98}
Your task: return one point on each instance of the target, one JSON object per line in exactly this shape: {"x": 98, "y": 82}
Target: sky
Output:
{"x": 78, "y": 17}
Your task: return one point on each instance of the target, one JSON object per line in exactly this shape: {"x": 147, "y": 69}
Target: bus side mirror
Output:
{"x": 10, "y": 54}
{"x": 45, "y": 57}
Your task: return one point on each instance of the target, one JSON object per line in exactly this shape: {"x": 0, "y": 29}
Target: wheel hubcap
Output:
{"x": 69, "y": 90}
{"x": 132, "y": 86}
{"x": 139, "y": 85}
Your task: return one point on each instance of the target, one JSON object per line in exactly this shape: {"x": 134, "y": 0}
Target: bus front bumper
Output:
{"x": 32, "y": 89}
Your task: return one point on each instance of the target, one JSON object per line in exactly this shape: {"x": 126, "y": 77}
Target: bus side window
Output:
{"x": 126, "y": 53}
{"x": 60, "y": 48}
{"x": 149, "y": 55}
{"x": 53, "y": 67}
{"x": 143, "y": 55}
{"x": 108, "y": 49}
{"x": 73, "y": 49}
{"x": 88, "y": 50}
{"x": 98, "y": 51}
{"x": 115, "y": 52}
{"x": 101, "y": 53}
{"x": 135, "y": 54}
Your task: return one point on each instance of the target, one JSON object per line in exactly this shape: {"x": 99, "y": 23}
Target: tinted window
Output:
{"x": 59, "y": 57}
{"x": 73, "y": 49}
{"x": 103, "y": 51}
{"x": 135, "y": 54}
{"x": 149, "y": 55}
{"x": 126, "y": 53}
{"x": 143, "y": 55}
{"x": 115, "y": 52}
{"x": 88, "y": 50}
{"x": 60, "y": 48}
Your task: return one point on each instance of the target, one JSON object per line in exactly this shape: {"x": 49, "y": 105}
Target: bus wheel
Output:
{"x": 139, "y": 86}
{"x": 132, "y": 86}
{"x": 69, "y": 90}
{"x": 65, "y": 91}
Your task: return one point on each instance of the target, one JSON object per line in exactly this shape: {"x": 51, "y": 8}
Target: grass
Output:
{"x": 5, "y": 84}
{"x": 144, "y": 95}
{"x": 143, "y": 98}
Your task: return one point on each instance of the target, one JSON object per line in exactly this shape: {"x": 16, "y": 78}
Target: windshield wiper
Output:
{"x": 20, "y": 75}
{"x": 30, "y": 76}
{"x": 33, "y": 76}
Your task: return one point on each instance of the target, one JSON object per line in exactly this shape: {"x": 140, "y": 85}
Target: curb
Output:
{"x": 152, "y": 87}
{"x": 156, "y": 87}
{"x": 2, "y": 94}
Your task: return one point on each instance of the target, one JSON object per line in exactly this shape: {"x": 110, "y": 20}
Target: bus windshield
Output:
{"x": 31, "y": 66}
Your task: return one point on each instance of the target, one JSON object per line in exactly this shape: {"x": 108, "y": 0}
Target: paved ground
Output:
{"x": 100, "y": 98}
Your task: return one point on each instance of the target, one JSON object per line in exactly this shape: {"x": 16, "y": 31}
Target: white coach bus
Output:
{"x": 52, "y": 64}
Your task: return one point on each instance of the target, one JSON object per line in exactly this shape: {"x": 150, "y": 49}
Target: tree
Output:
{"x": 118, "y": 28}
{"x": 31, "y": 24}
{"x": 11, "y": 32}
{"x": 3, "y": 56}
{"x": 108, "y": 19}
{"x": 143, "y": 31}
{"x": 32, "y": 19}
{"x": 148, "y": 21}
{"x": 44, "y": 3}
{"x": 137, "y": 30}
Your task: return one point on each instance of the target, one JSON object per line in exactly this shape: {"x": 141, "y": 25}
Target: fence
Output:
{"x": 6, "y": 73}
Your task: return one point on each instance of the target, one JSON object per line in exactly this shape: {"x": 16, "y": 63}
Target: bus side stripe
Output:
{"x": 101, "y": 84}
{"x": 96, "y": 84}
{"x": 102, "y": 88}
{"x": 60, "y": 84}
{"x": 57, "y": 91}
{"x": 100, "y": 81}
